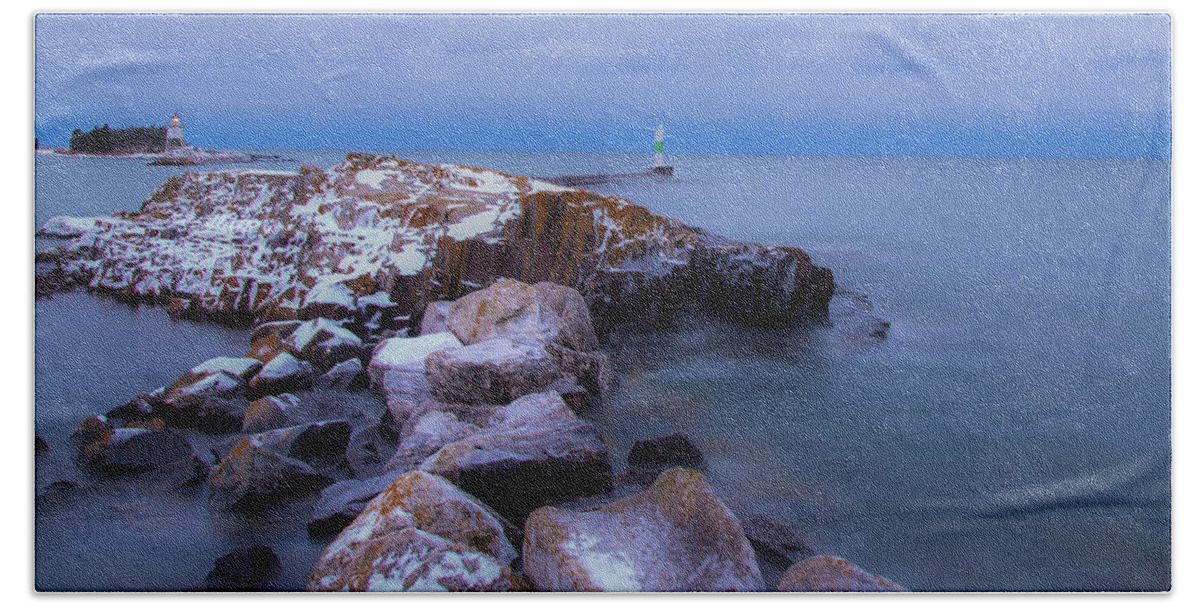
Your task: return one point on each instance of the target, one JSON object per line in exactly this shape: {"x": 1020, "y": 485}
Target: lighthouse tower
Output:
{"x": 174, "y": 135}
{"x": 660, "y": 167}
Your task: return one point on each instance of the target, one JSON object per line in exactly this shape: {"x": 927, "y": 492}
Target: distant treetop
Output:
{"x": 130, "y": 140}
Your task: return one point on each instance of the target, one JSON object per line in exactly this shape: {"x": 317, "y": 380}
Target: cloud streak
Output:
{"x": 514, "y": 79}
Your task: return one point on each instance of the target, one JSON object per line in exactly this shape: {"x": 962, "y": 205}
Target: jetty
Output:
{"x": 659, "y": 169}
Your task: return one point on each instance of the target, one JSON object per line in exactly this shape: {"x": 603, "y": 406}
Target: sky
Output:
{"x": 1057, "y": 85}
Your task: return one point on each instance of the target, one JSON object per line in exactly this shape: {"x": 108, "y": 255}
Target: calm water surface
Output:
{"x": 1012, "y": 433}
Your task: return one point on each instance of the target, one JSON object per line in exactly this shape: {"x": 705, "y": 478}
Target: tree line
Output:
{"x": 129, "y": 140}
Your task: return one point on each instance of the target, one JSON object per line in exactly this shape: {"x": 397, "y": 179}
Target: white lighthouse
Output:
{"x": 660, "y": 167}
{"x": 174, "y": 135}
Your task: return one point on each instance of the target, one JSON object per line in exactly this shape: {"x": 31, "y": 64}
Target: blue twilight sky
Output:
{"x": 908, "y": 84}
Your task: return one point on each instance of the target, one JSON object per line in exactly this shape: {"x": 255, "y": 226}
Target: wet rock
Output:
{"x": 138, "y": 408}
{"x": 829, "y": 573}
{"x": 664, "y": 452}
{"x": 203, "y": 412}
{"x": 346, "y": 374}
{"x": 319, "y": 444}
{"x": 285, "y": 373}
{"x": 267, "y": 347}
{"x": 91, "y": 430}
{"x": 243, "y": 569}
{"x": 397, "y": 368}
{"x": 136, "y": 450}
{"x": 589, "y": 369}
{"x": 324, "y": 343}
{"x": 496, "y": 370}
{"x": 253, "y": 478}
{"x": 775, "y": 542}
{"x": 368, "y": 452}
{"x": 534, "y": 452}
{"x": 434, "y": 319}
{"x": 341, "y": 502}
{"x": 331, "y": 300}
{"x": 675, "y": 536}
{"x": 408, "y": 559}
{"x": 271, "y": 412}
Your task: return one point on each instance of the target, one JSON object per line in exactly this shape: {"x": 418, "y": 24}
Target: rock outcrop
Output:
{"x": 675, "y": 536}
{"x": 376, "y": 239}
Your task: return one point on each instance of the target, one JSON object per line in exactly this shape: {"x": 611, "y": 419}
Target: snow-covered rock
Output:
{"x": 238, "y": 367}
{"x": 342, "y": 375}
{"x": 324, "y": 343}
{"x": 397, "y": 368}
{"x": 409, "y": 559}
{"x": 419, "y": 534}
{"x": 66, "y": 227}
{"x": 283, "y": 373}
{"x": 675, "y": 536}
{"x": 275, "y": 246}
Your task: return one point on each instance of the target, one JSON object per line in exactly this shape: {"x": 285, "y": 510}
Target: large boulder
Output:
{"x": 204, "y": 412}
{"x": 427, "y": 434}
{"x": 127, "y": 451}
{"x": 319, "y": 444}
{"x": 496, "y": 370}
{"x": 253, "y": 478}
{"x": 829, "y": 573}
{"x": 408, "y": 559}
{"x": 665, "y": 452}
{"x": 774, "y": 542}
{"x": 543, "y": 312}
{"x": 534, "y": 452}
{"x": 675, "y": 536}
{"x": 419, "y": 534}
{"x": 243, "y": 368}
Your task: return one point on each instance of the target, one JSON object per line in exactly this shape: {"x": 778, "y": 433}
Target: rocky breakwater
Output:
{"x": 375, "y": 239}
{"x": 474, "y": 471}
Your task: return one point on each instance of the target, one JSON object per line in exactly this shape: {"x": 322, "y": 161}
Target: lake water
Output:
{"x": 1011, "y": 433}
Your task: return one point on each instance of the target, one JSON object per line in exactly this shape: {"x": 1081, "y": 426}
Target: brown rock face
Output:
{"x": 675, "y": 536}
{"x": 829, "y": 573}
{"x": 376, "y": 239}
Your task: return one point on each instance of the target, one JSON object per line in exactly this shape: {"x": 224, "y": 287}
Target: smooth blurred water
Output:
{"x": 1012, "y": 433}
